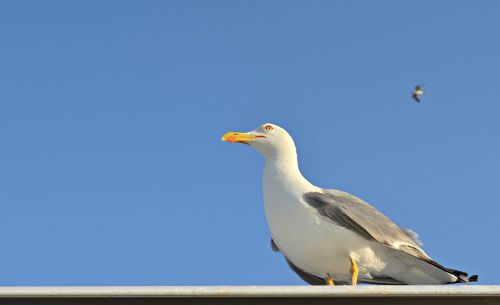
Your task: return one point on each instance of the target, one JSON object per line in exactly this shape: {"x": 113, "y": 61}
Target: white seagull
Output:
{"x": 328, "y": 236}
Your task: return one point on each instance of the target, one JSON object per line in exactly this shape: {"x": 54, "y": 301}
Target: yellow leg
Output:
{"x": 329, "y": 280}
{"x": 354, "y": 272}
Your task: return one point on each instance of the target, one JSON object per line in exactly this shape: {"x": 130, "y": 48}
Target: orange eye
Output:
{"x": 268, "y": 127}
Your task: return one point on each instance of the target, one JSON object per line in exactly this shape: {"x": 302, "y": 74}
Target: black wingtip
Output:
{"x": 473, "y": 278}
{"x": 463, "y": 277}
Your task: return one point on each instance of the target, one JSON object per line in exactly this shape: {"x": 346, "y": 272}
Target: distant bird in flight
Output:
{"x": 417, "y": 93}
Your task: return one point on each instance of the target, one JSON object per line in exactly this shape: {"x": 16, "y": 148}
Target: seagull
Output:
{"x": 328, "y": 236}
{"x": 417, "y": 93}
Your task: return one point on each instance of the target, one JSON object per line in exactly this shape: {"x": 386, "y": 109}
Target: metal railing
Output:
{"x": 460, "y": 294}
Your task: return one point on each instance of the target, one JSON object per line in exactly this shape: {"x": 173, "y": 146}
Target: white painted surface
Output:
{"x": 248, "y": 291}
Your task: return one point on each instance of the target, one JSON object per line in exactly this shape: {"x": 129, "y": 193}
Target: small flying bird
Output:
{"x": 417, "y": 93}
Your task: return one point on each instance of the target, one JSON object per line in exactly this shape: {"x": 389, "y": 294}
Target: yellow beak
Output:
{"x": 239, "y": 137}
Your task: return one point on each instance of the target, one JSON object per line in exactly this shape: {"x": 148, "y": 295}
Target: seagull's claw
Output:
{"x": 354, "y": 272}
{"x": 329, "y": 280}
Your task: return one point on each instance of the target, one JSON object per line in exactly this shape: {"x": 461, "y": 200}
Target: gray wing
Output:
{"x": 354, "y": 214}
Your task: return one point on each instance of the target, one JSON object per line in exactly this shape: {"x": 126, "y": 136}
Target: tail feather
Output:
{"x": 463, "y": 277}
{"x": 473, "y": 278}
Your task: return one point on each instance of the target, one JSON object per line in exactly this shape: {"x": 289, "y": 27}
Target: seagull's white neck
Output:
{"x": 281, "y": 172}
{"x": 283, "y": 187}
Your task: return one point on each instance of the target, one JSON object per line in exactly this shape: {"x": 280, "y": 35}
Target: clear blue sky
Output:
{"x": 111, "y": 167}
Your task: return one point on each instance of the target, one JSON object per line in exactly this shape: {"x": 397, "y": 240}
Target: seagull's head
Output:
{"x": 269, "y": 139}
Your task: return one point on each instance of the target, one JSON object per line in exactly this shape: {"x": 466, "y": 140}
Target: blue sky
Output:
{"x": 111, "y": 167}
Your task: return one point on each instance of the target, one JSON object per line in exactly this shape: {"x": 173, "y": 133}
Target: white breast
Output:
{"x": 311, "y": 242}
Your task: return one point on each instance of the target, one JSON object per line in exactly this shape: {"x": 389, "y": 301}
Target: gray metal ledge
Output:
{"x": 463, "y": 294}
